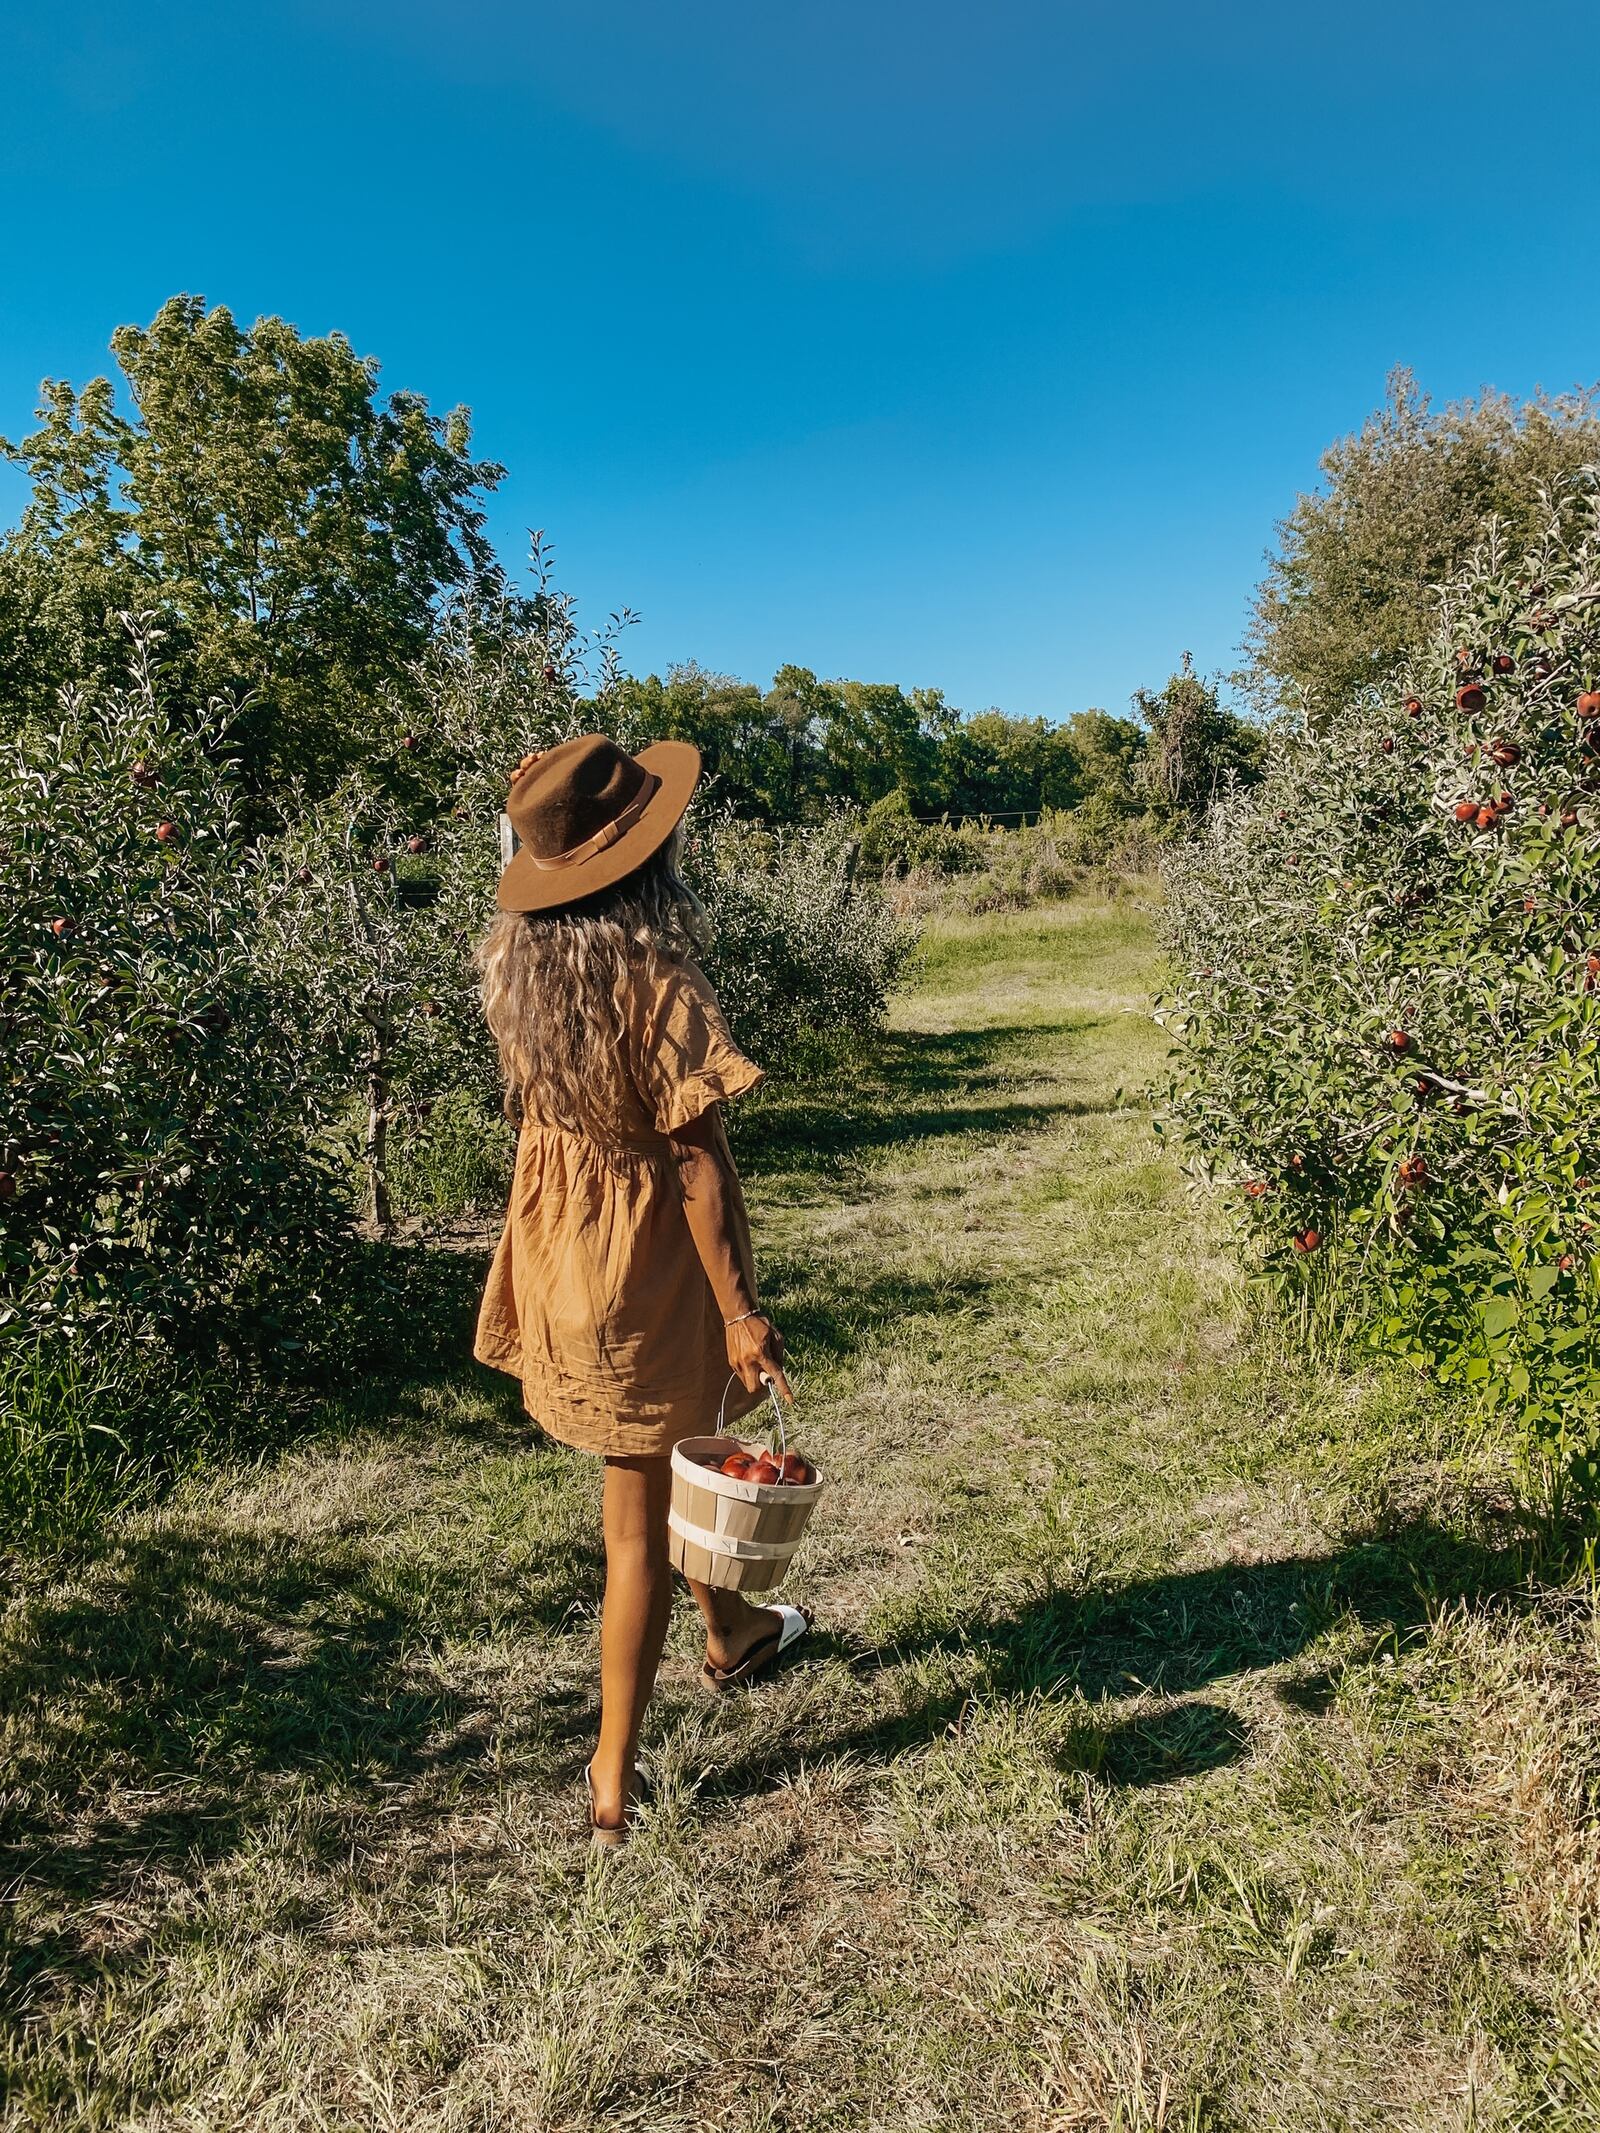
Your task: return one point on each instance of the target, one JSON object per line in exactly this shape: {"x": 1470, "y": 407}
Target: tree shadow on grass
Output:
{"x": 837, "y": 1323}
{"x": 904, "y": 1087}
{"x": 193, "y": 1686}
{"x": 1182, "y": 1740}
{"x": 1167, "y": 1636}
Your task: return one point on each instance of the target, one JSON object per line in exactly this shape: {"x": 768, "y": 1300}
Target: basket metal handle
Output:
{"x": 772, "y": 1395}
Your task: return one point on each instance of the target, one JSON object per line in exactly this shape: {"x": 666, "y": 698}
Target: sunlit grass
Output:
{"x": 1177, "y": 1747}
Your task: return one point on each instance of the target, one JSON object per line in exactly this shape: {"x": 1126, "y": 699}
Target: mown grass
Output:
{"x": 1181, "y": 1745}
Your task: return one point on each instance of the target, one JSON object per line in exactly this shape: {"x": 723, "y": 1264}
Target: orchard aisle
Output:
{"x": 1131, "y": 1783}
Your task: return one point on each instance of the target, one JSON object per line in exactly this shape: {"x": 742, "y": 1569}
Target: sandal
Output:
{"x": 611, "y": 1836}
{"x": 793, "y": 1622}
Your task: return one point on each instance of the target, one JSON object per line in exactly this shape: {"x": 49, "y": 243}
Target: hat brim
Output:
{"x": 527, "y": 886}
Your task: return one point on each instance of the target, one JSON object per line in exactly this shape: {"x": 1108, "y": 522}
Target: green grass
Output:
{"x": 1180, "y": 1747}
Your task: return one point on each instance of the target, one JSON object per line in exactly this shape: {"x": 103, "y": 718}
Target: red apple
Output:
{"x": 165, "y": 832}
{"x": 142, "y": 774}
{"x": 1465, "y": 810}
{"x": 432, "y": 1010}
{"x": 1470, "y": 698}
{"x": 1505, "y": 753}
{"x": 408, "y": 742}
{"x": 794, "y": 1469}
{"x": 61, "y": 927}
{"x": 302, "y": 875}
{"x": 1503, "y": 662}
{"x": 1589, "y": 704}
{"x": 1413, "y": 707}
{"x": 380, "y": 865}
{"x": 1387, "y": 744}
{"x": 416, "y": 844}
{"x": 8, "y": 1185}
{"x": 765, "y": 1471}
{"x": 1399, "y": 1040}
{"x": 737, "y": 1466}
{"x": 1487, "y": 818}
{"x": 1569, "y": 818}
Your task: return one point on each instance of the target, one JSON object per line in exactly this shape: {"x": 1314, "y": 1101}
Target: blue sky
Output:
{"x": 975, "y": 347}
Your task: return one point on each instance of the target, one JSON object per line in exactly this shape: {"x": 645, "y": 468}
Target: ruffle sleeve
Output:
{"x": 687, "y": 1059}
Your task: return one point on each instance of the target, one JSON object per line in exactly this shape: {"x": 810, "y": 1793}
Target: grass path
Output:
{"x": 1172, "y": 1754}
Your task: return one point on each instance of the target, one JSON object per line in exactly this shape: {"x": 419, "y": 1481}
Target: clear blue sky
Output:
{"x": 971, "y": 346}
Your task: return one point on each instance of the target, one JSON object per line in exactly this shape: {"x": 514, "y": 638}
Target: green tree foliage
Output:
{"x": 807, "y": 747}
{"x": 292, "y": 529}
{"x": 1194, "y": 748}
{"x": 993, "y": 765}
{"x": 159, "y": 1113}
{"x": 748, "y": 751}
{"x": 1351, "y": 588}
{"x": 1390, "y": 1026}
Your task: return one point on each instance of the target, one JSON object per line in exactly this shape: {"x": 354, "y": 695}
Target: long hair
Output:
{"x": 556, "y": 986}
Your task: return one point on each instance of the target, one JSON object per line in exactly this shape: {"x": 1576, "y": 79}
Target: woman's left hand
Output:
{"x": 755, "y": 1351}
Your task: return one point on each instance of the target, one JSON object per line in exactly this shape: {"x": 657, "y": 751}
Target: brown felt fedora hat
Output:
{"x": 587, "y": 813}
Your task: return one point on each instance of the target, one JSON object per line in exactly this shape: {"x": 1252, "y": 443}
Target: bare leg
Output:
{"x": 633, "y": 1620}
{"x": 732, "y": 1624}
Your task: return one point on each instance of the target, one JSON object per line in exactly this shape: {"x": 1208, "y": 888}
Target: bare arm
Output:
{"x": 713, "y": 1204}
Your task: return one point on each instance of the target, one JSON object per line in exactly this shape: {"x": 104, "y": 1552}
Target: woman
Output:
{"x": 623, "y": 1292}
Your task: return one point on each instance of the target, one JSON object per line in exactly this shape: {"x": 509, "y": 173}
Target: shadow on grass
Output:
{"x": 1172, "y": 1636}
{"x": 902, "y": 1088}
{"x": 1181, "y": 1741}
{"x": 161, "y": 1713}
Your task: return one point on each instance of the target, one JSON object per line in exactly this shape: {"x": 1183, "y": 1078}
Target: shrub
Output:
{"x": 804, "y": 955}
{"x": 1388, "y": 1025}
{"x": 979, "y": 866}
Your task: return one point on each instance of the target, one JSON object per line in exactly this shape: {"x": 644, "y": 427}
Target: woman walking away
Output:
{"x": 623, "y": 1290}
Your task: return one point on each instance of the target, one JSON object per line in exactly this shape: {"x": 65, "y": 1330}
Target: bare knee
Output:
{"x": 637, "y": 1494}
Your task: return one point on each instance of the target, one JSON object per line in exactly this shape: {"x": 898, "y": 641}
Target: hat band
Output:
{"x": 607, "y": 834}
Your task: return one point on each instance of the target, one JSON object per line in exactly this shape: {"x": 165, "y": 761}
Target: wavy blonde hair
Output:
{"x": 556, "y": 986}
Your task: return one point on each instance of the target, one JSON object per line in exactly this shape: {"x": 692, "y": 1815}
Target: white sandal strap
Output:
{"x": 794, "y": 1627}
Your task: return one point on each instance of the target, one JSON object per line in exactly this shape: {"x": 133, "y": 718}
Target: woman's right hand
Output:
{"x": 755, "y": 1352}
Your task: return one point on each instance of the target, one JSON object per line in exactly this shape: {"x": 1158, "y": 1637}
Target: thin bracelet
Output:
{"x": 743, "y": 1315}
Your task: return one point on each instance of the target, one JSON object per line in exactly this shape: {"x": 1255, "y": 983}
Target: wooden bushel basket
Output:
{"x": 737, "y": 1534}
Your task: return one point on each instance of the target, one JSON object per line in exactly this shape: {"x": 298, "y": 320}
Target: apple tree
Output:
{"x": 1388, "y": 1022}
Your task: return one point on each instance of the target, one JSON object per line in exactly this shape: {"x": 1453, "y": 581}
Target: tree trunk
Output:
{"x": 375, "y": 1150}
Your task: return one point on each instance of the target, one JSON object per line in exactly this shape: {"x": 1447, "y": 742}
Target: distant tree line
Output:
{"x": 792, "y": 752}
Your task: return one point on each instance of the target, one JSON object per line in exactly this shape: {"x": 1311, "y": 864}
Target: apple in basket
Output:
{"x": 765, "y": 1468}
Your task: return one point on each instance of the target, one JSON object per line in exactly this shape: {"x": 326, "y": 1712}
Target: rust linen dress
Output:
{"x": 596, "y": 1297}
